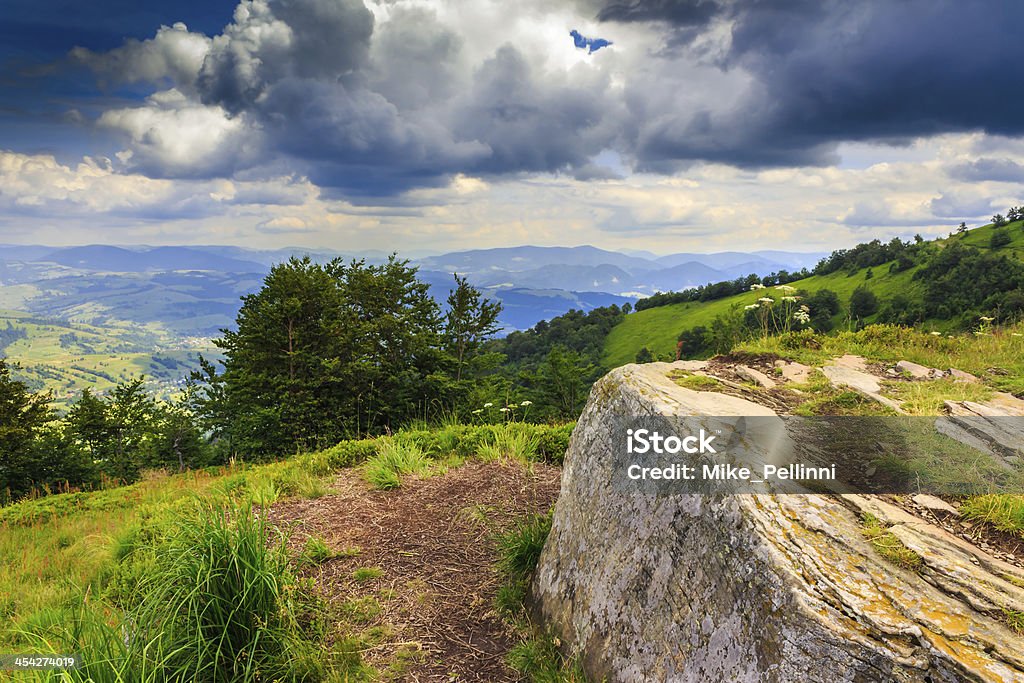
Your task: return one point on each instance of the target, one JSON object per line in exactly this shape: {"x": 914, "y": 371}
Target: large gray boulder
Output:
{"x": 683, "y": 587}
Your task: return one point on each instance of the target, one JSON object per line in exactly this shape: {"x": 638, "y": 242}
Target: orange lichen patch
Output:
{"x": 973, "y": 659}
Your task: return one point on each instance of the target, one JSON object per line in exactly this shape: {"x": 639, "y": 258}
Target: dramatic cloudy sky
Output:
{"x": 436, "y": 124}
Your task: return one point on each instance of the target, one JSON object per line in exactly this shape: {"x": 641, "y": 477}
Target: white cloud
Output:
{"x": 174, "y": 53}
{"x": 173, "y": 135}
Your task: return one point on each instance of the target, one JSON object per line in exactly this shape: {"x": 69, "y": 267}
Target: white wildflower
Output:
{"x": 790, "y": 298}
{"x": 478, "y": 411}
{"x": 751, "y": 307}
{"x": 488, "y": 405}
{"x": 526, "y": 403}
{"x": 504, "y": 410}
{"x": 935, "y": 333}
{"x": 986, "y": 319}
{"x": 785, "y": 288}
{"x": 756, "y": 286}
{"x": 766, "y": 300}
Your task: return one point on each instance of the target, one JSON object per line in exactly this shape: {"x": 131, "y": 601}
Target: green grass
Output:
{"x": 520, "y": 547}
{"x": 696, "y": 382}
{"x": 218, "y": 601}
{"x": 1014, "y": 619}
{"x": 537, "y": 656}
{"x": 510, "y": 443}
{"x": 927, "y": 397}
{"x": 1004, "y": 512}
{"x": 394, "y": 460}
{"x": 888, "y": 546}
{"x": 539, "y": 660}
{"x": 364, "y": 574}
{"x": 75, "y": 566}
{"x": 316, "y": 551}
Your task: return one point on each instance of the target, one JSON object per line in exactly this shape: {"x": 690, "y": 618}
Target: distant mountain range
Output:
{"x": 194, "y": 290}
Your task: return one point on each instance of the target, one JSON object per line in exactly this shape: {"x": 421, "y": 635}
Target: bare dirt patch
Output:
{"x": 429, "y": 614}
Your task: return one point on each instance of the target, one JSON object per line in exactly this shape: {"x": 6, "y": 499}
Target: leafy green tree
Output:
{"x": 470, "y": 320}
{"x": 1000, "y": 238}
{"x": 644, "y": 355}
{"x": 863, "y": 303}
{"x": 961, "y": 281}
{"x": 998, "y": 220}
{"x": 694, "y": 342}
{"x": 130, "y": 418}
{"x": 727, "y": 330}
{"x": 87, "y": 422}
{"x": 565, "y": 380}
{"x": 322, "y": 352}
{"x": 177, "y": 439}
{"x": 902, "y": 310}
{"x": 824, "y": 304}
{"x": 23, "y": 417}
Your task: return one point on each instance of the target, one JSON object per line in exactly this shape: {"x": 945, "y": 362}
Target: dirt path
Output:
{"x": 429, "y": 615}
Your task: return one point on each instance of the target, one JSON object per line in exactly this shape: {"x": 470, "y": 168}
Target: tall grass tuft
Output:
{"x": 394, "y": 460}
{"x": 511, "y": 441}
{"x": 1004, "y": 512}
{"x": 221, "y": 603}
{"x": 537, "y": 656}
{"x": 519, "y": 551}
{"x": 519, "y": 548}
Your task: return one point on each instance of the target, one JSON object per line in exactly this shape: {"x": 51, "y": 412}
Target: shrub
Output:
{"x": 863, "y": 303}
{"x": 344, "y": 454}
{"x": 1000, "y": 238}
{"x": 553, "y": 441}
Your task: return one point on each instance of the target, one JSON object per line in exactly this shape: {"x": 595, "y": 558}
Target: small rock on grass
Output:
{"x": 795, "y": 372}
{"x": 934, "y": 504}
{"x": 961, "y": 376}
{"x": 914, "y": 370}
{"x": 755, "y": 376}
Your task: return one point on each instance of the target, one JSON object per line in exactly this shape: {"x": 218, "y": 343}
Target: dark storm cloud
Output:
{"x": 692, "y": 13}
{"x": 273, "y": 42}
{"x": 367, "y": 107}
{"x": 363, "y": 110}
{"x": 528, "y": 123}
{"x": 882, "y": 70}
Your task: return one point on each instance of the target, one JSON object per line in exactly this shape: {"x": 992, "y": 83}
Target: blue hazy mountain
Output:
{"x": 99, "y": 257}
{"x": 195, "y": 290}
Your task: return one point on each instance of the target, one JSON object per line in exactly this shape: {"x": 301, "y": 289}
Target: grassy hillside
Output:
{"x": 355, "y": 562}
{"x": 658, "y": 328}
{"x": 68, "y": 357}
